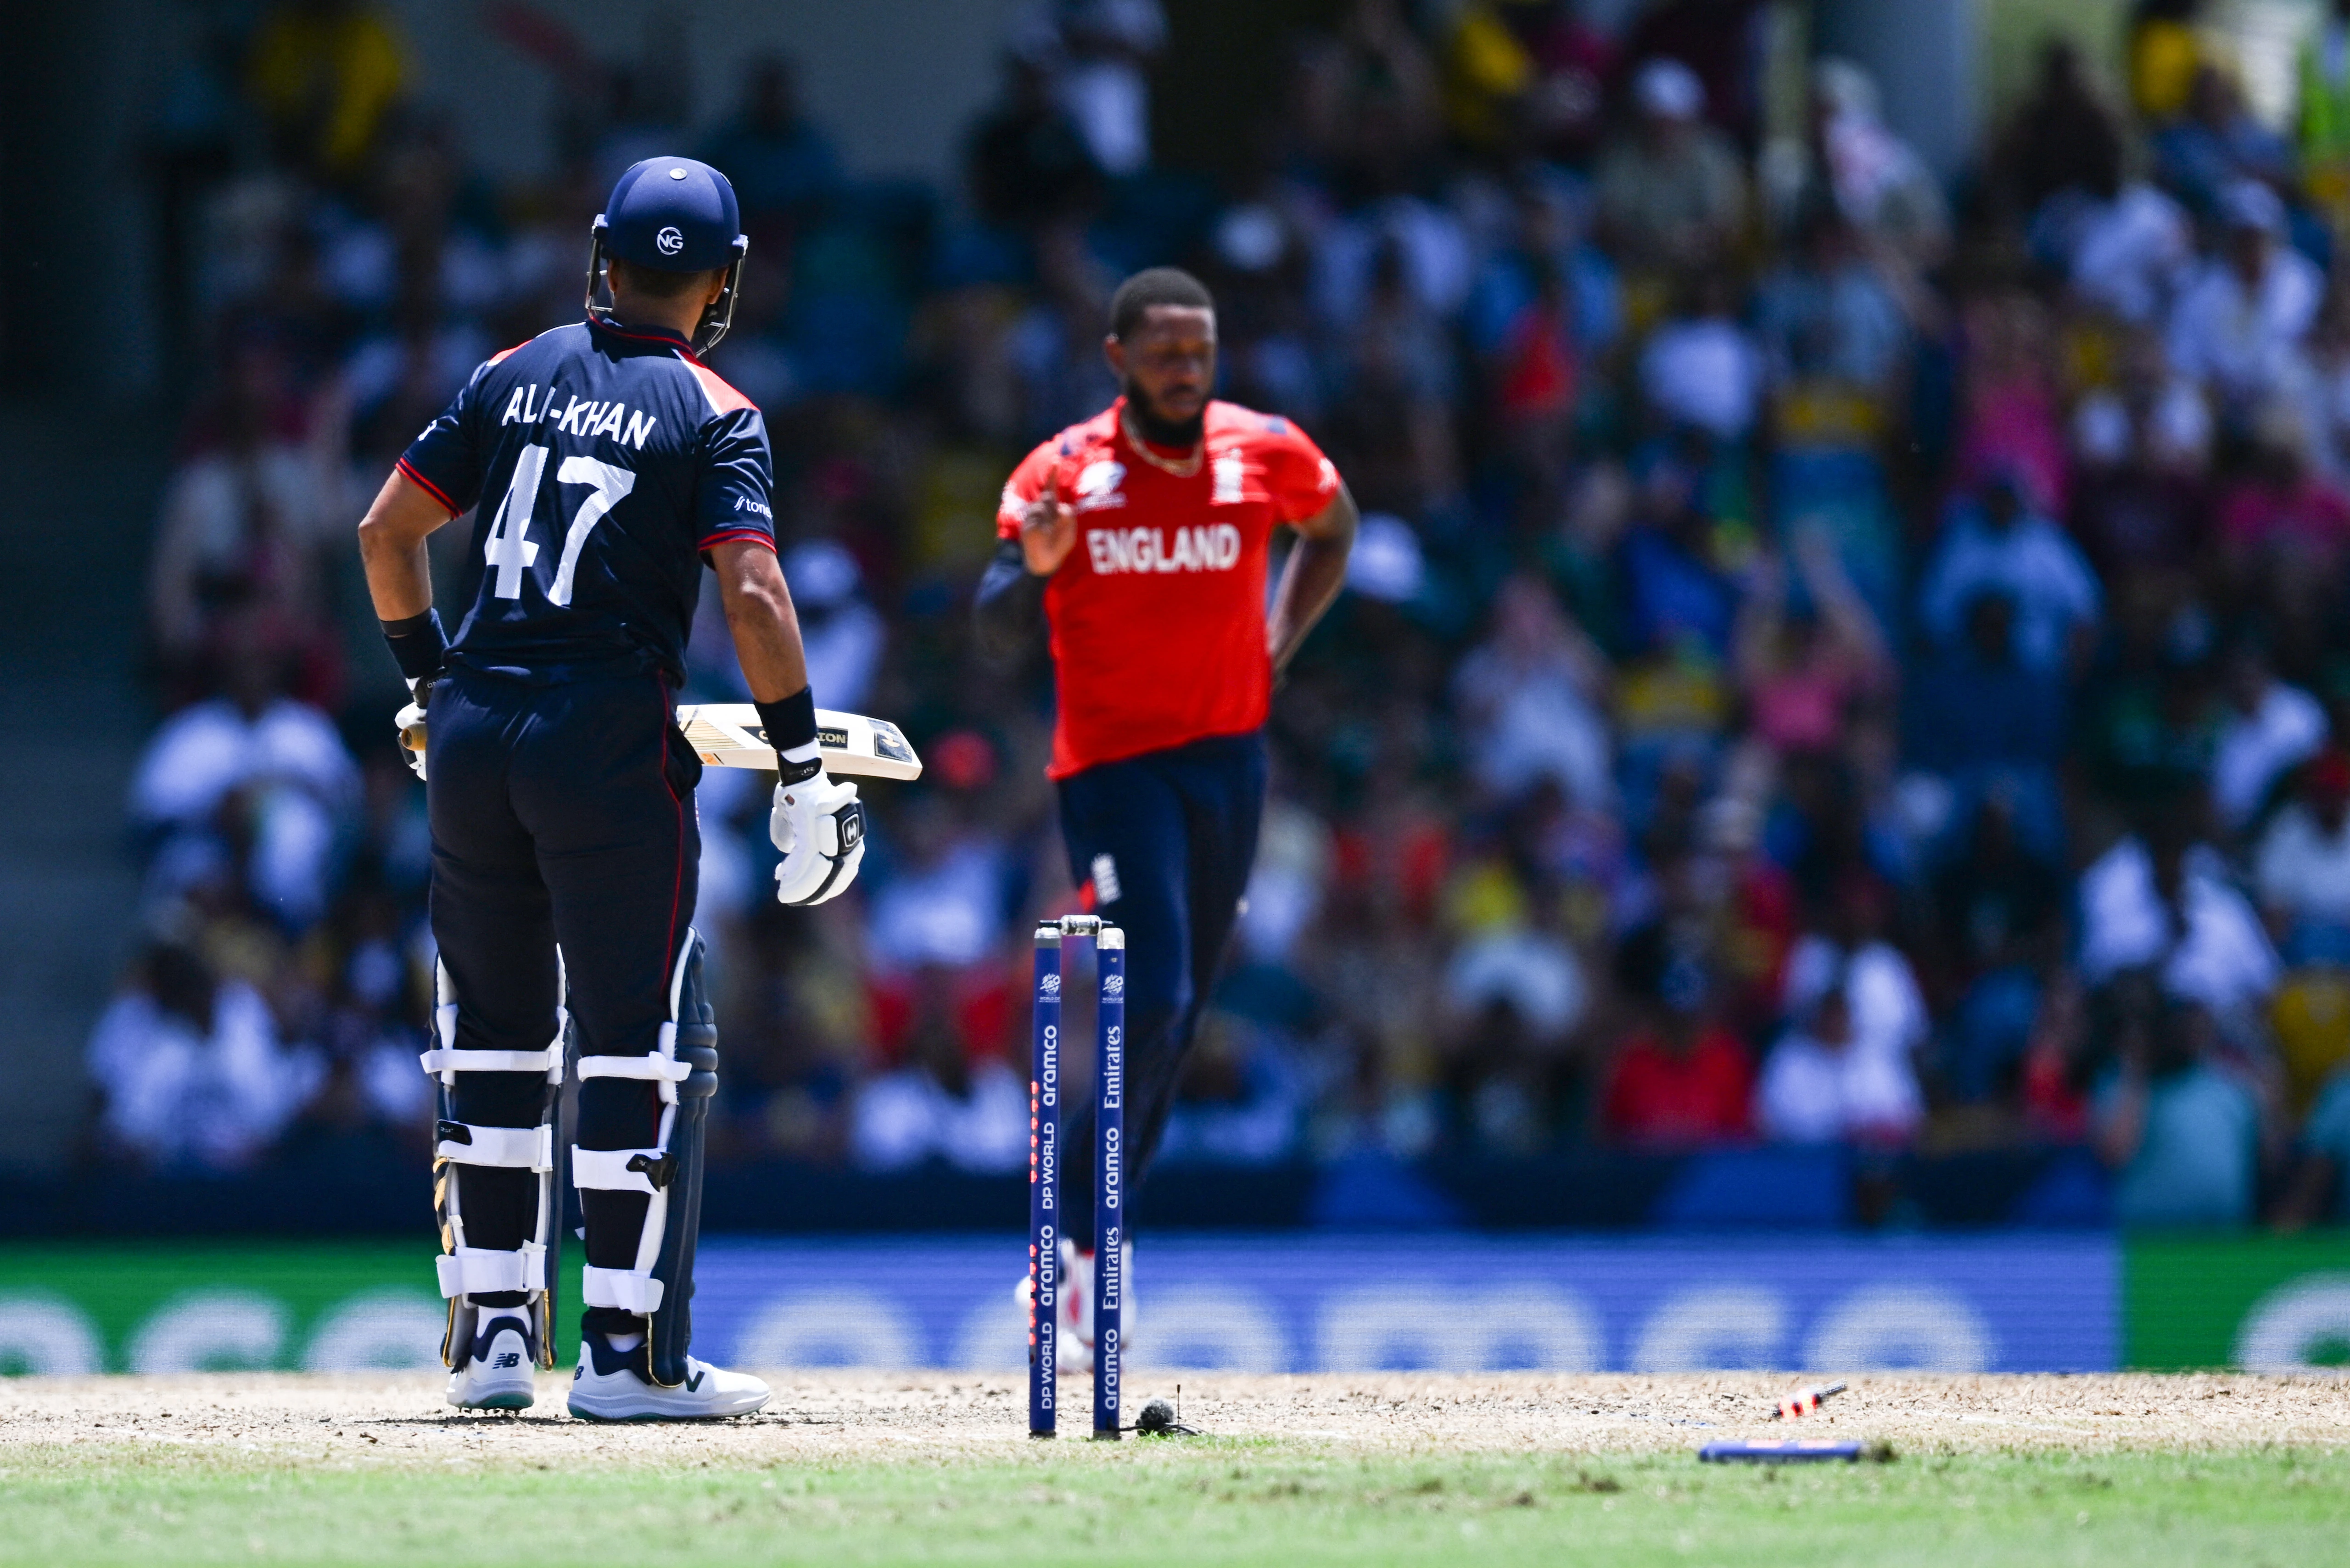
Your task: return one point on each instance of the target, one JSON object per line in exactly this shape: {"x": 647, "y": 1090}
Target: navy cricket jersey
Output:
{"x": 605, "y": 460}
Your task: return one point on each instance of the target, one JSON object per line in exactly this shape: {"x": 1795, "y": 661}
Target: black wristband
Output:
{"x": 418, "y": 644}
{"x": 790, "y": 724}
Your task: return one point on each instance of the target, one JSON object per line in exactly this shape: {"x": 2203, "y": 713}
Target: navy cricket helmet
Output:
{"x": 672, "y": 214}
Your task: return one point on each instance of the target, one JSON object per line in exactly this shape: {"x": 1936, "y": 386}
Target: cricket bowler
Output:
{"x": 1142, "y": 539}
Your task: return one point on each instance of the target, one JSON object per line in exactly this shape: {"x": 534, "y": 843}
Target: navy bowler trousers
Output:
{"x": 1178, "y": 828}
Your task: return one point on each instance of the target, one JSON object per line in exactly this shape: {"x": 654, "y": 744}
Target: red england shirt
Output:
{"x": 1158, "y": 615}
{"x": 1665, "y": 1098}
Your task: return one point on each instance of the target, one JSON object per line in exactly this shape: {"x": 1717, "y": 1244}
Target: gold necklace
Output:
{"x": 1182, "y": 468}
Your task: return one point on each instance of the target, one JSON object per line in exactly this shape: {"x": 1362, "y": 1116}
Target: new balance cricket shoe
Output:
{"x": 496, "y": 1372}
{"x": 608, "y": 1387}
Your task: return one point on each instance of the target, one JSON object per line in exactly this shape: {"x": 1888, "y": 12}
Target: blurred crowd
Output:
{"x": 1839, "y": 651}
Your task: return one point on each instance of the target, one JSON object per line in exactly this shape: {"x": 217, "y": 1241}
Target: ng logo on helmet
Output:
{"x": 670, "y": 240}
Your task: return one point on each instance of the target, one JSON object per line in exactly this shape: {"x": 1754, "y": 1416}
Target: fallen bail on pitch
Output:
{"x": 1045, "y": 1231}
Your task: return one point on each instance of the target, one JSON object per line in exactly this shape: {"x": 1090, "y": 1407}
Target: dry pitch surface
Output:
{"x": 1293, "y": 1472}
{"x": 860, "y": 1416}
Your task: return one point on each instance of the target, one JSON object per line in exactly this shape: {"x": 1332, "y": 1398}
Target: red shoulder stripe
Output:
{"x": 723, "y": 399}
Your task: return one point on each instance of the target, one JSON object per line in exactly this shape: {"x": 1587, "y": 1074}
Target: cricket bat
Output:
{"x": 729, "y": 735}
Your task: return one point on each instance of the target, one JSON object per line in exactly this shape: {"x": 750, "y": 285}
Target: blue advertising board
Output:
{"x": 1321, "y": 1302}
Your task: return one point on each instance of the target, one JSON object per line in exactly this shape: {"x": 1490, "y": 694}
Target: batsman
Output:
{"x": 610, "y": 467}
{"x": 1142, "y": 539}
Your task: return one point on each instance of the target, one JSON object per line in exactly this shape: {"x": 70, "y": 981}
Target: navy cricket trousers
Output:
{"x": 561, "y": 815}
{"x": 1166, "y": 839}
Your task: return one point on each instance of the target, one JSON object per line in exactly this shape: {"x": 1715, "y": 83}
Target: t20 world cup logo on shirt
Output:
{"x": 1097, "y": 484}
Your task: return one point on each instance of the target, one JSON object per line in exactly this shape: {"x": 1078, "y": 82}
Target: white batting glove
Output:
{"x": 411, "y": 721}
{"x": 819, "y": 825}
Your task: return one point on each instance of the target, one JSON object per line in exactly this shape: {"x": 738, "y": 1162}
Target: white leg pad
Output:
{"x": 517, "y": 1148}
{"x": 466, "y": 1272}
{"x": 469, "y": 1271}
{"x": 637, "y": 1289}
{"x": 616, "y": 1169}
{"x": 624, "y": 1288}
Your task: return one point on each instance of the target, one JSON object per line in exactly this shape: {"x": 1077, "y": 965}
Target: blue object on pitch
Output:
{"x": 1110, "y": 1181}
{"x": 676, "y": 215}
{"x": 1045, "y": 1188}
{"x": 1814, "y": 1452}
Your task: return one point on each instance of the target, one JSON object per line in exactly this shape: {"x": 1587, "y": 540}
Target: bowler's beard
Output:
{"x": 1157, "y": 430}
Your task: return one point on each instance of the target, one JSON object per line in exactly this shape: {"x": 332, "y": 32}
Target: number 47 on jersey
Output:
{"x": 510, "y": 550}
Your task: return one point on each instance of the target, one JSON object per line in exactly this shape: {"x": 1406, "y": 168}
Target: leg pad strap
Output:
{"x": 517, "y": 1148}
{"x": 664, "y": 1068}
{"x": 623, "y": 1288}
{"x": 645, "y": 1170}
{"x": 442, "y": 1061}
{"x": 469, "y": 1271}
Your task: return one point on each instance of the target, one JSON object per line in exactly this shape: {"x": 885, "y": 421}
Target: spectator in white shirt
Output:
{"x": 1533, "y": 972}
{"x": 1106, "y": 48}
{"x": 250, "y": 526}
{"x": 1672, "y": 192}
{"x": 2304, "y": 865}
{"x": 1822, "y": 1084}
{"x": 1529, "y": 697}
{"x": 287, "y": 763}
{"x": 2129, "y": 253}
{"x": 2001, "y": 544}
{"x": 2239, "y": 323}
{"x": 2163, "y": 902}
{"x": 843, "y": 635}
{"x": 947, "y": 1102}
{"x": 944, "y": 904}
{"x": 2269, "y": 727}
{"x": 1878, "y": 180}
{"x": 1704, "y": 370}
{"x": 1885, "y": 1008}
{"x": 190, "y": 1066}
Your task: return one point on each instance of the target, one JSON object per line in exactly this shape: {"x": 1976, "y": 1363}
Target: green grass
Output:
{"x": 1186, "y": 1502}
